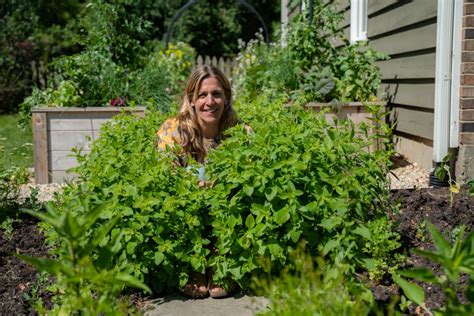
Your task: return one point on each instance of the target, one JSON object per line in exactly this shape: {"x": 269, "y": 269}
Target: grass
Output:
{"x": 17, "y": 142}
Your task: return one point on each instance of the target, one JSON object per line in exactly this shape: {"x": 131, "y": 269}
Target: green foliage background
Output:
{"x": 126, "y": 31}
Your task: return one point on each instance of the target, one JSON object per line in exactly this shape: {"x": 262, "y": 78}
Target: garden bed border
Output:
{"x": 56, "y": 130}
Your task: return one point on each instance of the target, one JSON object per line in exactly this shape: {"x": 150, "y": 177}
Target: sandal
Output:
{"x": 217, "y": 291}
{"x": 196, "y": 286}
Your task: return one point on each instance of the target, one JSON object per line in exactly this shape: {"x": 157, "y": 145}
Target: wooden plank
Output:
{"x": 59, "y": 176}
{"x": 415, "y": 39}
{"x": 91, "y": 109}
{"x": 414, "y": 122}
{"x": 402, "y": 16}
{"x": 420, "y": 94}
{"x": 65, "y": 140}
{"x": 420, "y": 66}
{"x": 73, "y": 123}
{"x": 374, "y": 6}
{"x": 98, "y": 122}
{"x": 40, "y": 146}
{"x": 63, "y": 159}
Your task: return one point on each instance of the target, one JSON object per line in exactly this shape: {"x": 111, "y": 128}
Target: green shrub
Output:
{"x": 86, "y": 283}
{"x": 314, "y": 288}
{"x": 160, "y": 207}
{"x": 297, "y": 178}
{"x": 11, "y": 180}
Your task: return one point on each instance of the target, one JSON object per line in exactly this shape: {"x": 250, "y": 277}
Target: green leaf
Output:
{"x": 270, "y": 193}
{"x": 248, "y": 190}
{"x": 440, "y": 242}
{"x": 414, "y": 292}
{"x": 159, "y": 257}
{"x": 330, "y": 223}
{"x": 330, "y": 245}
{"x": 250, "y": 221}
{"x": 282, "y": 216}
{"x": 48, "y": 265}
{"x": 129, "y": 280}
{"x": 421, "y": 274}
{"x": 295, "y": 235}
{"x": 363, "y": 231}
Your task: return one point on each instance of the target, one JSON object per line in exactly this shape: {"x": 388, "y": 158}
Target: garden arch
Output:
{"x": 191, "y": 2}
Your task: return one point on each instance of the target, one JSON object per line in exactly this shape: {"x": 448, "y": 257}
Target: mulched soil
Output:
{"x": 417, "y": 207}
{"x": 17, "y": 279}
{"x": 433, "y": 205}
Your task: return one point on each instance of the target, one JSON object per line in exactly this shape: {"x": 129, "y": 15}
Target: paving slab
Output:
{"x": 177, "y": 305}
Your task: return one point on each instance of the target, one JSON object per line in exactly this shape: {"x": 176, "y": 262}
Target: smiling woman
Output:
{"x": 206, "y": 112}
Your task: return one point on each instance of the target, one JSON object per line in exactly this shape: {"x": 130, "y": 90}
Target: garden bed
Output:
{"x": 17, "y": 279}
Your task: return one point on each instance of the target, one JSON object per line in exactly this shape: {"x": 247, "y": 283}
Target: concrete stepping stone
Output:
{"x": 176, "y": 305}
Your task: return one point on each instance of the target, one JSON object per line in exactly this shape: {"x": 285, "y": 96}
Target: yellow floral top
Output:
{"x": 169, "y": 135}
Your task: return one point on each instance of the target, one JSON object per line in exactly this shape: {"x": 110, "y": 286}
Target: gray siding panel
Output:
{"x": 374, "y": 6}
{"x": 412, "y": 67}
{"x": 402, "y": 16}
{"x": 414, "y": 122}
{"x": 406, "y": 31}
{"x": 417, "y": 95}
{"x": 414, "y": 39}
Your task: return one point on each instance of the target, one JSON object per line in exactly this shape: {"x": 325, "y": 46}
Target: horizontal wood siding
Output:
{"x": 409, "y": 120}
{"x": 374, "y": 6}
{"x": 421, "y": 38}
{"x": 406, "y": 32}
{"x": 402, "y": 16}
{"x": 403, "y": 94}
{"x": 410, "y": 67}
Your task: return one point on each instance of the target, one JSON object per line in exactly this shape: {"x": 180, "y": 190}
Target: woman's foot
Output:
{"x": 196, "y": 286}
{"x": 217, "y": 291}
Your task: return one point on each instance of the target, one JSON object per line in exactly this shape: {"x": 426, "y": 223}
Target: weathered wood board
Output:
{"x": 57, "y": 130}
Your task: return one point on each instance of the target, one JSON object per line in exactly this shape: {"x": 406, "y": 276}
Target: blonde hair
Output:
{"x": 191, "y": 133}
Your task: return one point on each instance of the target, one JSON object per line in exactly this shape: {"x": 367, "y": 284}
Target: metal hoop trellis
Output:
{"x": 191, "y": 2}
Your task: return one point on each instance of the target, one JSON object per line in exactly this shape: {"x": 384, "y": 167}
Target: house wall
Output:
{"x": 465, "y": 162}
{"x": 406, "y": 32}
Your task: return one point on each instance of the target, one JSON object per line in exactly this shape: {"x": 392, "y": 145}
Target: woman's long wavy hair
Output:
{"x": 192, "y": 135}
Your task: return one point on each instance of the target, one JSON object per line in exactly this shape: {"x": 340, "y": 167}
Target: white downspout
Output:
{"x": 456, "y": 77}
{"x": 444, "y": 46}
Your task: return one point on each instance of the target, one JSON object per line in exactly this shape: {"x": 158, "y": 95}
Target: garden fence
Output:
{"x": 224, "y": 64}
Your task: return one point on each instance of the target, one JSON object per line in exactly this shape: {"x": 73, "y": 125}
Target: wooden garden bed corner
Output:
{"x": 56, "y": 130}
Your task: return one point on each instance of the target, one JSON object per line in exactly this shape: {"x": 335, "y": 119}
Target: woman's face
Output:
{"x": 210, "y": 102}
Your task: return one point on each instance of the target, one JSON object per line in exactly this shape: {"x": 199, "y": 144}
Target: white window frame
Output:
{"x": 358, "y": 20}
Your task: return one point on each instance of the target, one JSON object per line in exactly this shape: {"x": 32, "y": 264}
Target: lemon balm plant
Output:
{"x": 297, "y": 178}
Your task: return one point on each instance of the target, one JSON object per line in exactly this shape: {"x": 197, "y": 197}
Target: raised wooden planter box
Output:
{"x": 57, "y": 130}
{"x": 354, "y": 111}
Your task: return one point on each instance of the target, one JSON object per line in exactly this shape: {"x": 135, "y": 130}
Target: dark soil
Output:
{"x": 18, "y": 279}
{"x": 446, "y": 212}
{"x": 416, "y": 208}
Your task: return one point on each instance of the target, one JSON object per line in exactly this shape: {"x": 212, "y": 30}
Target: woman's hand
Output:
{"x": 206, "y": 184}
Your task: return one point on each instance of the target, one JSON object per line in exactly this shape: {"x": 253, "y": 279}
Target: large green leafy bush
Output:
{"x": 296, "y": 178}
